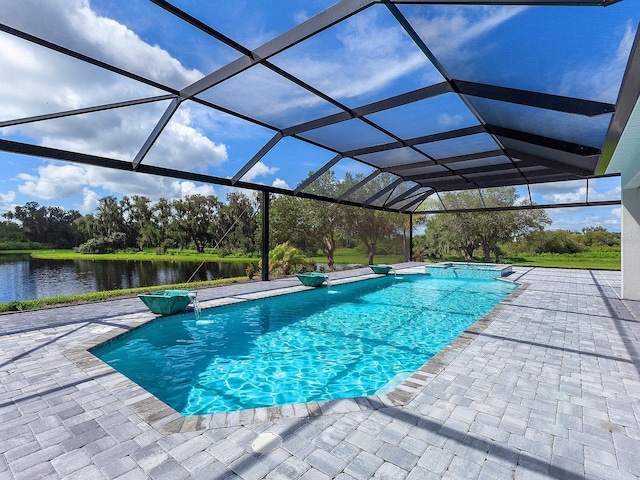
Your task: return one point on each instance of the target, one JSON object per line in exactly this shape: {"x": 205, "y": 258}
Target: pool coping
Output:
{"x": 167, "y": 420}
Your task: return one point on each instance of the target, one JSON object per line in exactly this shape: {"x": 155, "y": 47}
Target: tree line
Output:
{"x": 198, "y": 222}
{"x": 233, "y": 226}
{"x": 494, "y": 234}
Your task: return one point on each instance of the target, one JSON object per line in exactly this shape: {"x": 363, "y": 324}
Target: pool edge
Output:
{"x": 166, "y": 420}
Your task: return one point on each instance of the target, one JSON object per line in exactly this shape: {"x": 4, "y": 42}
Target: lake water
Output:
{"x": 25, "y": 278}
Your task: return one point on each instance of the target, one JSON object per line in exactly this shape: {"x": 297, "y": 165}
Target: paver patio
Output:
{"x": 547, "y": 385}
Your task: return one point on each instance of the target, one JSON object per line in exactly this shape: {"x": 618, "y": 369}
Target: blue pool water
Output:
{"x": 347, "y": 341}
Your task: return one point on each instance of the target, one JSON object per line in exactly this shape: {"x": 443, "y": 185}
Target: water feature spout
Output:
{"x": 195, "y": 304}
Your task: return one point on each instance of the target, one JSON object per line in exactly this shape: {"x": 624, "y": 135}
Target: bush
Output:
{"x": 551, "y": 241}
{"x": 250, "y": 271}
{"x": 286, "y": 258}
{"x": 13, "y": 245}
{"x": 109, "y": 244}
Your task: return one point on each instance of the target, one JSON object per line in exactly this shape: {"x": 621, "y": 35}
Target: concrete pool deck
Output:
{"x": 546, "y": 386}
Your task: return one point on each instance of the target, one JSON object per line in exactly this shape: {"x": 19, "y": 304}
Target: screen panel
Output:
{"x": 426, "y": 117}
{"x": 365, "y": 58}
{"x": 576, "y": 52}
{"x": 266, "y": 96}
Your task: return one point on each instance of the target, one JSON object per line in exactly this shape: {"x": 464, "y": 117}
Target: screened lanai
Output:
{"x": 416, "y": 97}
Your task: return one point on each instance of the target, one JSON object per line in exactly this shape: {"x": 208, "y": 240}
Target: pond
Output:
{"x": 26, "y": 278}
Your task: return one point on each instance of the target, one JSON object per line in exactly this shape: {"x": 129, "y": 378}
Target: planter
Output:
{"x": 312, "y": 279}
{"x": 168, "y": 302}
{"x": 381, "y": 269}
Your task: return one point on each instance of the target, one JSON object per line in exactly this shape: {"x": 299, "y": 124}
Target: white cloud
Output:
{"x": 50, "y": 82}
{"x": 461, "y": 27}
{"x": 74, "y": 24}
{"x": 278, "y": 183}
{"x": 446, "y": 120}
{"x": 612, "y": 194}
{"x": 300, "y": 16}
{"x": 601, "y": 78}
{"x": 190, "y": 188}
{"x": 54, "y": 181}
{"x": 572, "y": 196}
{"x": 368, "y": 56}
{"x": 181, "y": 146}
{"x": 576, "y": 191}
{"x": 6, "y": 201}
{"x": 259, "y": 170}
{"x": 90, "y": 201}
{"x": 576, "y": 219}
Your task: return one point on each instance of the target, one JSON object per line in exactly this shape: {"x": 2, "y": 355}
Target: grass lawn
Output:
{"x": 184, "y": 256}
{"x": 350, "y": 256}
{"x": 583, "y": 260}
{"x": 354, "y": 258}
{"x": 602, "y": 260}
{"x": 342, "y": 256}
{"x": 37, "y": 303}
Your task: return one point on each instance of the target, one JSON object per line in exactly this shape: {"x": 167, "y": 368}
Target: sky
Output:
{"x": 359, "y": 61}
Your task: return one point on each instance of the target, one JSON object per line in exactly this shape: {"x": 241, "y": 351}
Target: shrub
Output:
{"x": 14, "y": 245}
{"x": 109, "y": 244}
{"x": 286, "y": 258}
{"x": 250, "y": 271}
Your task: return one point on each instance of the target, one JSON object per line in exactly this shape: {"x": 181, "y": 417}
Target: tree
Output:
{"x": 164, "y": 228}
{"x": 310, "y": 224}
{"x": 467, "y": 231}
{"x": 110, "y": 216}
{"x": 59, "y": 227}
{"x": 369, "y": 225}
{"x": 325, "y": 221}
{"x": 552, "y": 241}
{"x": 599, "y": 236}
{"x": 11, "y": 232}
{"x": 238, "y": 223}
{"x": 31, "y": 216}
{"x": 46, "y": 225}
{"x": 402, "y": 224}
{"x": 196, "y": 216}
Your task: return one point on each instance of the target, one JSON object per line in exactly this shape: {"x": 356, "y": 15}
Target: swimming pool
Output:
{"x": 348, "y": 341}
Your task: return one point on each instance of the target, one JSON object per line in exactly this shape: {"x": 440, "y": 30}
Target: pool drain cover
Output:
{"x": 266, "y": 442}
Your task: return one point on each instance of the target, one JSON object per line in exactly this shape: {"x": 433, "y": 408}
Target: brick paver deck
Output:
{"x": 547, "y": 385}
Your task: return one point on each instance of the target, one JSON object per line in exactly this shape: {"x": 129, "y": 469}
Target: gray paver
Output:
{"x": 397, "y": 456}
{"x": 326, "y": 462}
{"x": 547, "y": 387}
{"x": 389, "y": 471}
{"x": 169, "y": 470}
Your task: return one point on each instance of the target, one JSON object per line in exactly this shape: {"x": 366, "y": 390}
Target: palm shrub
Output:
{"x": 286, "y": 258}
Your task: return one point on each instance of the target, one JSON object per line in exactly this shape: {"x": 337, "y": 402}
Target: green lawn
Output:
{"x": 109, "y": 295}
{"x": 607, "y": 260}
{"x": 585, "y": 260}
{"x": 342, "y": 256}
{"x": 350, "y": 256}
{"x": 184, "y": 256}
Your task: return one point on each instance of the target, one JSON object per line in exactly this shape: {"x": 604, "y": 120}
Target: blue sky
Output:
{"x": 359, "y": 61}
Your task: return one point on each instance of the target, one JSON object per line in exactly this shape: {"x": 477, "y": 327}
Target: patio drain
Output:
{"x": 266, "y": 442}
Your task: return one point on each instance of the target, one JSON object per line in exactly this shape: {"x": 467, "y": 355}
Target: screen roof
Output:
{"x": 434, "y": 96}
